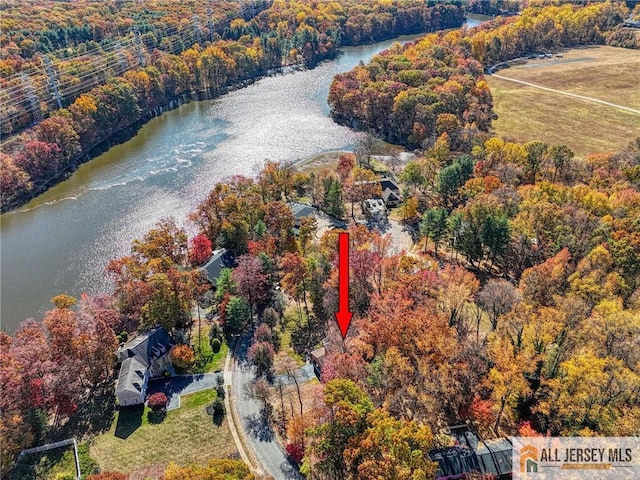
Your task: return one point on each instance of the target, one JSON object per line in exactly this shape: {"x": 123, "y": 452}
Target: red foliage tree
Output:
{"x": 39, "y": 159}
{"x": 252, "y": 281}
{"x": 526, "y": 430}
{"x": 59, "y": 130}
{"x": 261, "y": 355}
{"x": 295, "y": 452}
{"x": 345, "y": 165}
{"x": 200, "y": 250}
{"x": 263, "y": 334}
{"x": 157, "y": 401}
{"x": 14, "y": 181}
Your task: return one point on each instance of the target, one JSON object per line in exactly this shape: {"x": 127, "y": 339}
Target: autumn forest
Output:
{"x": 515, "y": 310}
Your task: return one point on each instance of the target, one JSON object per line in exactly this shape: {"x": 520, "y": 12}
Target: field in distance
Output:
{"x": 604, "y": 73}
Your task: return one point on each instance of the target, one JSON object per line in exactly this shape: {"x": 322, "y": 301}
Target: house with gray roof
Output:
{"x": 300, "y": 211}
{"x": 317, "y": 359}
{"x": 391, "y": 198}
{"x": 472, "y": 454}
{"x": 143, "y": 358}
{"x": 390, "y": 192}
{"x": 220, "y": 259}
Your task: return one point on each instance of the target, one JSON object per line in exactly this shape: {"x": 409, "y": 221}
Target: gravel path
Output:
{"x": 583, "y": 97}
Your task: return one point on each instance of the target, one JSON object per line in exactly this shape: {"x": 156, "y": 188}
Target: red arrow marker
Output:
{"x": 343, "y": 315}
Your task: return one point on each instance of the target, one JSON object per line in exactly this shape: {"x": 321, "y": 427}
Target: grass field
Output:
{"x": 186, "y": 435}
{"x": 606, "y": 73}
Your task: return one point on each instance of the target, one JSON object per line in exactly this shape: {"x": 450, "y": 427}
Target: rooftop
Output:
{"x": 220, "y": 259}
{"x": 131, "y": 377}
{"x": 301, "y": 210}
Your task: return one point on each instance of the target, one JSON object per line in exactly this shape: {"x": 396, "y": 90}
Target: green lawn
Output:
{"x": 208, "y": 361}
{"x": 186, "y": 435}
{"x": 56, "y": 464}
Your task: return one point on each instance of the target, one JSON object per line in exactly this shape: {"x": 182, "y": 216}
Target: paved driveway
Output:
{"x": 181, "y": 385}
{"x": 400, "y": 236}
{"x": 258, "y": 432}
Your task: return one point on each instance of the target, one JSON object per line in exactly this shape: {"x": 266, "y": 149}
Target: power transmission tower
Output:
{"x": 195, "y": 20}
{"x": 32, "y": 98}
{"x": 139, "y": 47}
{"x": 122, "y": 59}
{"x": 52, "y": 80}
{"x": 212, "y": 24}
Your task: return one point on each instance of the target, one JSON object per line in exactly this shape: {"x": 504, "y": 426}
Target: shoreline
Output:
{"x": 128, "y": 132}
{"x": 322, "y": 157}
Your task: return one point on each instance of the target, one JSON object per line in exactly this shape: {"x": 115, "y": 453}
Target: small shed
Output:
{"x": 317, "y": 359}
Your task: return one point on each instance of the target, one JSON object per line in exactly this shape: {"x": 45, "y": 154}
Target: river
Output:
{"x": 61, "y": 241}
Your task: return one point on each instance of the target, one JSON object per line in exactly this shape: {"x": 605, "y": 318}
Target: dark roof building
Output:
{"x": 390, "y": 184}
{"x": 489, "y": 457}
{"x": 300, "y": 211}
{"x": 220, "y": 259}
{"x": 454, "y": 462}
{"x": 132, "y": 382}
{"x": 317, "y": 358}
{"x": 144, "y": 357}
{"x": 391, "y": 198}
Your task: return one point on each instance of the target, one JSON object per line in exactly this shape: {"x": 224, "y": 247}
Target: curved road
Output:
{"x": 259, "y": 436}
{"x": 590, "y": 99}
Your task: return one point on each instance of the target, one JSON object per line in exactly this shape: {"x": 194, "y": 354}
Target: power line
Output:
{"x": 53, "y": 80}
{"x": 41, "y": 86}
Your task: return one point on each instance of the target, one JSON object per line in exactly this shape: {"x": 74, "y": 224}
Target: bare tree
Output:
{"x": 496, "y": 298}
{"x": 259, "y": 389}
{"x": 367, "y": 146}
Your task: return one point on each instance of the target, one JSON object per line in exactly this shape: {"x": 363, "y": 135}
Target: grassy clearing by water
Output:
{"x": 186, "y": 435}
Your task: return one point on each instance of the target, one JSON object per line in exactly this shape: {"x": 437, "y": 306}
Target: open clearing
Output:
{"x": 186, "y": 435}
{"x": 606, "y": 73}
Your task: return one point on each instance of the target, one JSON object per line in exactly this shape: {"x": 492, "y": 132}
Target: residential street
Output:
{"x": 258, "y": 433}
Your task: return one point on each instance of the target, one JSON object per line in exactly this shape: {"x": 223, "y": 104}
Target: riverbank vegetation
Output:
{"x": 415, "y": 94}
{"x": 531, "y": 306}
{"x": 518, "y": 314}
{"x": 108, "y": 104}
